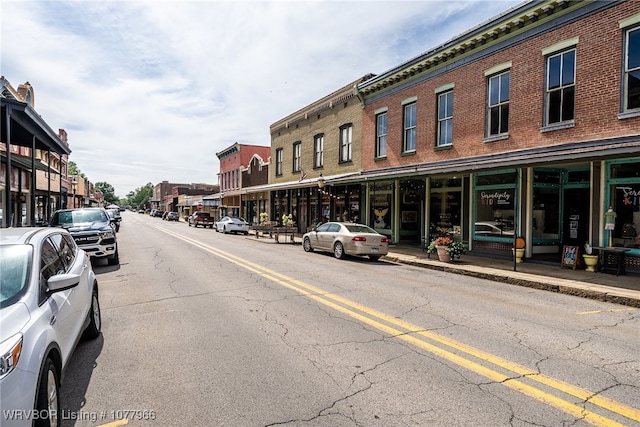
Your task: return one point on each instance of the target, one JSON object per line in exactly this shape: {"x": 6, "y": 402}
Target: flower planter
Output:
{"x": 591, "y": 261}
{"x": 442, "y": 254}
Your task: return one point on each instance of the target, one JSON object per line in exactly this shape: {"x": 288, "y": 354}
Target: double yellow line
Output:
{"x": 455, "y": 352}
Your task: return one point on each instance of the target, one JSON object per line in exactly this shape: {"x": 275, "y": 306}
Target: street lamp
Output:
{"x": 73, "y": 185}
{"x": 320, "y": 187}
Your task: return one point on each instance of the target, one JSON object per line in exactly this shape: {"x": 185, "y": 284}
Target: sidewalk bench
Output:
{"x": 275, "y": 231}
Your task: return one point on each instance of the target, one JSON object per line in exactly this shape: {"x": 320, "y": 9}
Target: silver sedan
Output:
{"x": 344, "y": 238}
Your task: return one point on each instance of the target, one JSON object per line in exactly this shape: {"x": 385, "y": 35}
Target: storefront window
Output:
{"x": 546, "y": 213}
{"x": 381, "y": 202}
{"x": 445, "y": 204}
{"x": 495, "y": 206}
{"x": 624, "y": 194}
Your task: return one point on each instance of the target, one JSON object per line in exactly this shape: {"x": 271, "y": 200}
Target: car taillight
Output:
{"x": 359, "y": 239}
{"x": 384, "y": 240}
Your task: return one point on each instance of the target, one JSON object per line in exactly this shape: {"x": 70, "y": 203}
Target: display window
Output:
{"x": 495, "y": 208}
{"x": 381, "y": 203}
{"x": 445, "y": 207}
{"x": 622, "y": 218}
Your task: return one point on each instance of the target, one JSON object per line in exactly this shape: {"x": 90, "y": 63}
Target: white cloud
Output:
{"x": 151, "y": 90}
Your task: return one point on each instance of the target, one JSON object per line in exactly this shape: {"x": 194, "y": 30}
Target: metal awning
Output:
{"x": 25, "y": 125}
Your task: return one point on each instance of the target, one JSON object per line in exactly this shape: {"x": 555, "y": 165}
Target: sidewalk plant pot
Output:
{"x": 590, "y": 261}
{"x": 519, "y": 255}
{"x": 446, "y": 248}
{"x": 519, "y": 249}
{"x": 442, "y": 254}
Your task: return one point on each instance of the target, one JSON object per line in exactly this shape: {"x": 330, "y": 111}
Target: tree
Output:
{"x": 108, "y": 192}
{"x": 140, "y": 196}
{"x": 73, "y": 170}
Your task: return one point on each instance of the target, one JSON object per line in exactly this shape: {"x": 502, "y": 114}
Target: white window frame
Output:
{"x": 279, "y": 153}
{"x": 381, "y": 135}
{"x": 297, "y": 155}
{"x": 445, "y": 121}
{"x": 318, "y": 150}
{"x": 561, "y": 88}
{"x": 500, "y": 104}
{"x": 410, "y": 121}
{"x": 346, "y": 142}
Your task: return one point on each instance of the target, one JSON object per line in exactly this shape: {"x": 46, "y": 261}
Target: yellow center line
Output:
{"x": 408, "y": 331}
{"x": 613, "y": 310}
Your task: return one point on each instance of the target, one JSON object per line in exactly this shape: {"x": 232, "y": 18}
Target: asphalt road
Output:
{"x": 206, "y": 329}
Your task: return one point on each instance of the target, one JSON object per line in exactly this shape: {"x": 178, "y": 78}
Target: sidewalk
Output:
{"x": 624, "y": 289}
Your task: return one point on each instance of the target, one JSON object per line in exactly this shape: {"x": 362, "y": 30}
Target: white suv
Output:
{"x": 48, "y": 300}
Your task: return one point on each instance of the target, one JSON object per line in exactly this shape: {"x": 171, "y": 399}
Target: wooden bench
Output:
{"x": 275, "y": 231}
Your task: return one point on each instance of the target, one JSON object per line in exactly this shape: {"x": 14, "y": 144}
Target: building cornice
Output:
{"x": 508, "y": 27}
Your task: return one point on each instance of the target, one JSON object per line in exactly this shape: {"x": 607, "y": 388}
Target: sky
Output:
{"x": 150, "y": 91}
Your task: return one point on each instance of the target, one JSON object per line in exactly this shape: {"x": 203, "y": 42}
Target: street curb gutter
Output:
{"x": 562, "y": 286}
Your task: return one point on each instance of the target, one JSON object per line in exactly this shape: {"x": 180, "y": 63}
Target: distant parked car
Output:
{"x": 344, "y": 238}
{"x": 171, "y": 216}
{"x": 114, "y": 214}
{"x": 48, "y": 300}
{"x": 230, "y": 224}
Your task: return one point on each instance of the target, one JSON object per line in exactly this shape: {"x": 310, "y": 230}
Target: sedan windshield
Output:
{"x": 15, "y": 263}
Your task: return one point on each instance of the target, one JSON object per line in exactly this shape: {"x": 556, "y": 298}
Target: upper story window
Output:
{"x": 381, "y": 135}
{"x": 297, "y": 153}
{"x": 346, "y": 135}
{"x": 318, "y": 150}
{"x": 444, "y": 136}
{"x": 278, "y": 161}
{"x": 632, "y": 70}
{"x": 498, "y": 104}
{"x": 561, "y": 90}
{"x": 410, "y": 120}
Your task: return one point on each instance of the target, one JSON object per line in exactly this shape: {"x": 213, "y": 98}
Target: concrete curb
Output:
{"x": 569, "y": 287}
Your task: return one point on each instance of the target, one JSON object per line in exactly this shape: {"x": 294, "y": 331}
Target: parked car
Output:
{"x": 114, "y": 214}
{"x": 48, "y": 300}
{"x": 492, "y": 228}
{"x": 171, "y": 216}
{"x": 232, "y": 224}
{"x": 203, "y": 219}
{"x": 92, "y": 230}
{"x": 344, "y": 238}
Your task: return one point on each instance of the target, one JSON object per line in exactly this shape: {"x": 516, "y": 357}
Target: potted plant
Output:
{"x": 446, "y": 248}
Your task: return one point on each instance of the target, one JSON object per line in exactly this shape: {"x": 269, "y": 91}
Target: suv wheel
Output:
{"x": 48, "y": 398}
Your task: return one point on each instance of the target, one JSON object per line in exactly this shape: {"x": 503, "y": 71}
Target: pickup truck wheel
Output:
{"x": 114, "y": 259}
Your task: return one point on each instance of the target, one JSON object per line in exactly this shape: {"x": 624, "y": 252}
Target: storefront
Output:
{"x": 623, "y": 197}
{"x": 495, "y": 210}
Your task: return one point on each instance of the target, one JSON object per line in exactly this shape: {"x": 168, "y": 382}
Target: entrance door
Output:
{"x": 575, "y": 220}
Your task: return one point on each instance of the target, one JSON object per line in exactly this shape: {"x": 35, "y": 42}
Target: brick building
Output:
{"x": 235, "y": 161}
{"x": 526, "y": 125}
{"x": 317, "y": 144}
